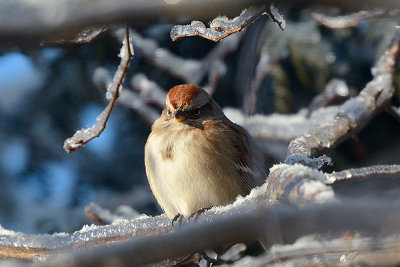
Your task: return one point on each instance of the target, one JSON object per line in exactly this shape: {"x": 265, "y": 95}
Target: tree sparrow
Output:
{"x": 196, "y": 157}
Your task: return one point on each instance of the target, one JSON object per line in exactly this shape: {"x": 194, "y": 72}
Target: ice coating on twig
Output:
{"x": 276, "y": 17}
{"x": 83, "y": 136}
{"x": 220, "y": 27}
{"x": 127, "y": 98}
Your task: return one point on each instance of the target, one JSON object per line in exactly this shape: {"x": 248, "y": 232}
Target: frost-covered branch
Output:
{"x": 104, "y": 216}
{"x": 378, "y": 171}
{"x": 150, "y": 91}
{"x": 47, "y": 19}
{"x": 127, "y": 98}
{"x": 345, "y": 21}
{"x": 348, "y": 250}
{"x": 352, "y": 115}
{"x": 279, "y": 127}
{"x": 145, "y": 240}
{"x": 189, "y": 70}
{"x": 269, "y": 224}
{"x": 83, "y": 136}
{"x": 220, "y": 27}
{"x": 333, "y": 91}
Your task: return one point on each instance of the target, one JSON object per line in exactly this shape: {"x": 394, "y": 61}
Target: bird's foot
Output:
{"x": 177, "y": 219}
{"x": 196, "y": 214}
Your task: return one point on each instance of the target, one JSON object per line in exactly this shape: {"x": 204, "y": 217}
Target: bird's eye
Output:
{"x": 196, "y": 111}
{"x": 168, "y": 112}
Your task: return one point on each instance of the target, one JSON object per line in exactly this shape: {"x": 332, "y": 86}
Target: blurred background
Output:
{"x": 47, "y": 93}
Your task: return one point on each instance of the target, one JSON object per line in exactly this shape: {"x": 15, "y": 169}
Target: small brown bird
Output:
{"x": 196, "y": 157}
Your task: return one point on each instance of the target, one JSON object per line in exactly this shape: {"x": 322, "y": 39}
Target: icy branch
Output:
{"x": 352, "y": 115}
{"x": 345, "y": 21}
{"x": 378, "y": 171}
{"x": 149, "y": 90}
{"x": 279, "y": 127}
{"x": 262, "y": 221}
{"x": 48, "y": 19}
{"x": 276, "y": 17}
{"x": 189, "y": 70}
{"x": 83, "y": 136}
{"x": 334, "y": 90}
{"x": 127, "y": 98}
{"x": 220, "y": 27}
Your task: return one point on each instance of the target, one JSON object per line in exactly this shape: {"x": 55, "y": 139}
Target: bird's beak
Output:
{"x": 179, "y": 115}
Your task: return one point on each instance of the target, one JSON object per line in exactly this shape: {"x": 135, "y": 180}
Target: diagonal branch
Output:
{"x": 83, "y": 136}
{"x": 352, "y": 115}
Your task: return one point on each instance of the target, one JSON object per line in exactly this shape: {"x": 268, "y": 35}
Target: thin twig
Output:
{"x": 83, "y": 136}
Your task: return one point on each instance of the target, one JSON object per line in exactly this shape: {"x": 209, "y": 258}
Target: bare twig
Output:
{"x": 346, "y": 21}
{"x": 355, "y": 112}
{"x": 220, "y": 27}
{"x": 83, "y": 136}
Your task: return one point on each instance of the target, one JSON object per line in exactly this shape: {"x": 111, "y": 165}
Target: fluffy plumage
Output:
{"x": 196, "y": 157}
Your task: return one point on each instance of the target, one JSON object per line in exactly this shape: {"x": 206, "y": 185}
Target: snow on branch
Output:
{"x": 144, "y": 240}
{"x": 345, "y": 21}
{"x": 150, "y": 91}
{"x": 127, "y": 98}
{"x": 265, "y": 222}
{"x": 189, "y": 70}
{"x": 352, "y": 115}
{"x": 83, "y": 136}
{"x": 334, "y": 90}
{"x": 378, "y": 171}
{"x": 222, "y": 27}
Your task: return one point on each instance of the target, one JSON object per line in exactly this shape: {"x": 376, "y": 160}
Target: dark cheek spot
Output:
{"x": 166, "y": 154}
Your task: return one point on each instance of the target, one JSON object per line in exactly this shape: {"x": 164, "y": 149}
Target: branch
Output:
{"x": 127, "y": 98}
{"x": 149, "y": 90}
{"x": 265, "y": 222}
{"x": 355, "y": 112}
{"x": 378, "y": 171}
{"x": 309, "y": 250}
{"x": 23, "y": 21}
{"x": 334, "y": 90}
{"x": 346, "y": 21}
{"x": 83, "y": 136}
{"x": 279, "y": 127}
{"x": 220, "y": 27}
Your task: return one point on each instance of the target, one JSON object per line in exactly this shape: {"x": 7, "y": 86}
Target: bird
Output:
{"x": 196, "y": 158}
